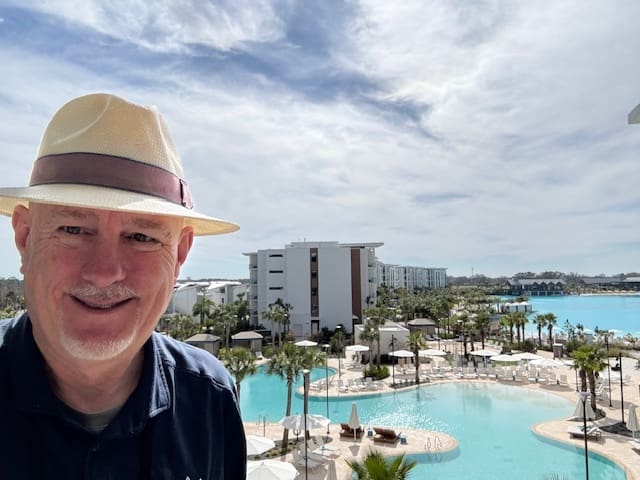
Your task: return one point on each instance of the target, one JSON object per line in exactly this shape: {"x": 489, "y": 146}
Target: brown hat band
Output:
{"x": 111, "y": 171}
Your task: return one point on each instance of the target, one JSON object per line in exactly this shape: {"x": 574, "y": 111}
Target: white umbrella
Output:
{"x": 504, "y": 358}
{"x": 357, "y": 348}
{"x": 296, "y": 422}
{"x": 485, "y": 353}
{"x": 579, "y": 411}
{"x": 271, "y": 470}
{"x": 354, "y": 419}
{"x": 332, "y": 474}
{"x": 432, "y": 352}
{"x": 402, "y": 354}
{"x": 257, "y": 445}
{"x": 306, "y": 343}
{"x": 547, "y": 363}
{"x": 632, "y": 421}
{"x": 527, "y": 356}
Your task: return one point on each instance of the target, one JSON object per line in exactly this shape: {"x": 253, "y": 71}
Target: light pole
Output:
{"x": 606, "y": 343}
{"x": 583, "y": 398}
{"x": 621, "y": 394}
{"x": 393, "y": 358}
{"x": 326, "y": 379}
{"x": 339, "y": 329}
{"x": 305, "y": 374}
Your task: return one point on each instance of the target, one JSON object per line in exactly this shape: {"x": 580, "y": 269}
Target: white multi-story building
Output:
{"x": 411, "y": 278}
{"x": 186, "y": 294}
{"x": 325, "y": 283}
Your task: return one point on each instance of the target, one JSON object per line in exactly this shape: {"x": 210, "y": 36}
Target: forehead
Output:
{"x": 59, "y": 212}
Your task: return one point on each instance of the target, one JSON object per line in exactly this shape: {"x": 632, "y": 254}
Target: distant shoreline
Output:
{"x": 608, "y": 294}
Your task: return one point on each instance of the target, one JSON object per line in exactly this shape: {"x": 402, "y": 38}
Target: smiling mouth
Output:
{"x": 101, "y": 306}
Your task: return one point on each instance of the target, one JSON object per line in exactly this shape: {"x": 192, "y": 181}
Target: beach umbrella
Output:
{"x": 632, "y": 421}
{"x": 402, "y": 354}
{"x": 257, "y": 445}
{"x": 305, "y": 343}
{"x": 357, "y": 348}
{"x": 579, "y": 411}
{"x": 296, "y": 422}
{"x": 504, "y": 358}
{"x": 527, "y": 356}
{"x": 332, "y": 473}
{"x": 547, "y": 363}
{"x": 432, "y": 352}
{"x": 271, "y": 470}
{"x": 485, "y": 353}
{"x": 354, "y": 419}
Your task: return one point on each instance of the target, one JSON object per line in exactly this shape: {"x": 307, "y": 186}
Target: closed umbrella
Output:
{"x": 354, "y": 419}
{"x": 332, "y": 473}
{"x": 296, "y": 422}
{"x": 632, "y": 421}
{"x": 257, "y": 445}
{"x": 579, "y": 411}
{"x": 271, "y": 470}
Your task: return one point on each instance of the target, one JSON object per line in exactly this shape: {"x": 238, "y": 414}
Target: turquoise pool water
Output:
{"x": 607, "y": 312}
{"x": 492, "y": 423}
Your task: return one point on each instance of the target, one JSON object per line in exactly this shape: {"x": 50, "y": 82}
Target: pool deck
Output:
{"x": 613, "y": 446}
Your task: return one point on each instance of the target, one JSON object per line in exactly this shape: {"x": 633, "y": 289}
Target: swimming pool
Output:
{"x": 492, "y": 423}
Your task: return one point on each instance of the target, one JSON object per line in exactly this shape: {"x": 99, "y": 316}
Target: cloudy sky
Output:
{"x": 484, "y": 136}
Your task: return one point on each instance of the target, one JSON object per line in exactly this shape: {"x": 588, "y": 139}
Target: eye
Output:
{"x": 71, "y": 230}
{"x": 142, "y": 238}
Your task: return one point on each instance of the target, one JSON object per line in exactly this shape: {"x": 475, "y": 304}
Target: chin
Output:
{"x": 93, "y": 349}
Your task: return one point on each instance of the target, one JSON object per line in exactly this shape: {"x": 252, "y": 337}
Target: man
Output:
{"x": 87, "y": 389}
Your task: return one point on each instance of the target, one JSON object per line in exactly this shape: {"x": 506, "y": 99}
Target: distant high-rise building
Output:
{"x": 413, "y": 278}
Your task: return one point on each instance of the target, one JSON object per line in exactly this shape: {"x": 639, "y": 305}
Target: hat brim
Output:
{"x": 90, "y": 196}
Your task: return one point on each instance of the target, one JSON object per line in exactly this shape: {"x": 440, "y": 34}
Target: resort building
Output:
{"x": 186, "y": 294}
{"x": 325, "y": 283}
{"x": 532, "y": 287}
{"x": 412, "y": 278}
{"x": 393, "y": 336}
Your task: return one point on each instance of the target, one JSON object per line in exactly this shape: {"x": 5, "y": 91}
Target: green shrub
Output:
{"x": 378, "y": 373}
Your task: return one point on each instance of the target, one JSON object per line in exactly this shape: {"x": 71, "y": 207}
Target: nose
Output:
{"x": 105, "y": 262}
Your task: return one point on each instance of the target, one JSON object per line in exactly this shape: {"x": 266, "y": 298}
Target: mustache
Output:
{"x": 112, "y": 292}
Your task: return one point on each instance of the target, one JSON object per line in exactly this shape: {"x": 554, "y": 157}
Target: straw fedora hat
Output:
{"x": 101, "y": 151}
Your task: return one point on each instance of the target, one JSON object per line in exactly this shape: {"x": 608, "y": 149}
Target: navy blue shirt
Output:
{"x": 182, "y": 420}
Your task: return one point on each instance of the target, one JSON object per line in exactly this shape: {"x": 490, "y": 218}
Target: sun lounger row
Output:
{"x": 385, "y": 435}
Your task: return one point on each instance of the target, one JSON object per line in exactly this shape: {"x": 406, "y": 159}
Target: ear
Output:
{"x": 184, "y": 245}
{"x": 21, "y": 221}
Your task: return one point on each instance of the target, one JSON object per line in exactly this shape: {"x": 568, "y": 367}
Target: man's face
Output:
{"x": 96, "y": 281}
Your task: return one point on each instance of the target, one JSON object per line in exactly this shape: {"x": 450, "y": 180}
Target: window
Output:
{"x": 275, "y": 288}
{"x": 275, "y": 255}
{"x": 276, "y": 271}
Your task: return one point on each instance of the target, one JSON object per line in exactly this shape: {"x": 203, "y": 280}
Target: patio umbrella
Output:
{"x": 547, "y": 363}
{"x": 354, "y": 419}
{"x": 257, "y": 445}
{"x": 485, "y": 353}
{"x": 402, "y": 354}
{"x": 504, "y": 358}
{"x": 527, "y": 356}
{"x": 579, "y": 411}
{"x": 357, "y": 348}
{"x": 271, "y": 470}
{"x": 332, "y": 474}
{"x": 306, "y": 343}
{"x": 432, "y": 352}
{"x": 632, "y": 421}
{"x": 296, "y": 422}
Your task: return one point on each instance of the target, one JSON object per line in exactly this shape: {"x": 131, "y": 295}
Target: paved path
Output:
{"x": 615, "y": 447}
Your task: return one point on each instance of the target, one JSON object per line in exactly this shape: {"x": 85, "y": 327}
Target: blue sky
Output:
{"x": 484, "y": 135}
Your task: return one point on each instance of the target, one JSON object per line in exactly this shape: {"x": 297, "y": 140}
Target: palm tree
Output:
{"x": 288, "y": 363}
{"x": 225, "y": 318}
{"x": 589, "y": 359}
{"x": 416, "y": 343}
{"x": 378, "y": 317}
{"x": 551, "y": 322}
{"x": 374, "y": 466}
{"x": 204, "y": 307}
{"x": 483, "y": 323}
{"x": 370, "y": 334}
{"x": 240, "y": 362}
{"x": 540, "y": 321}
